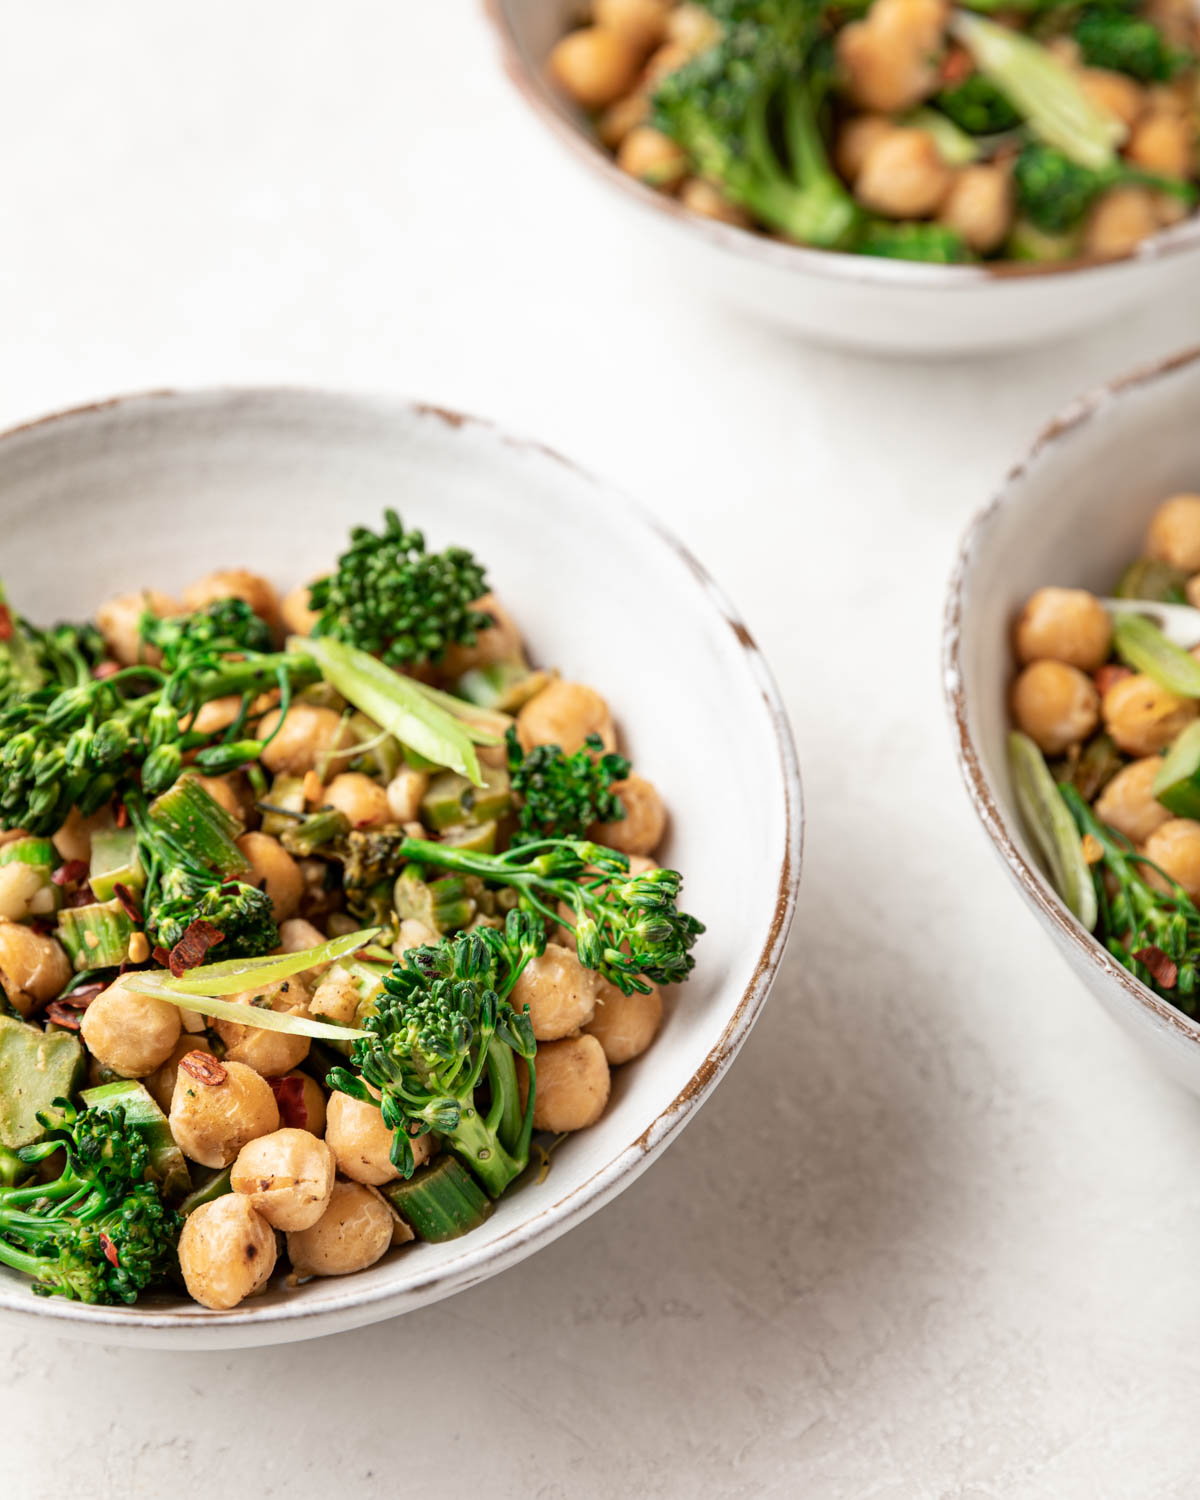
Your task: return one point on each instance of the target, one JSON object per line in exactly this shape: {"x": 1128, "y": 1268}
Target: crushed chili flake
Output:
{"x": 128, "y": 901}
{"x": 68, "y": 874}
{"x": 110, "y": 1250}
{"x": 82, "y": 895}
{"x": 1106, "y": 676}
{"x": 1164, "y": 969}
{"x": 6, "y": 623}
{"x": 289, "y": 1096}
{"x": 192, "y": 947}
{"x": 64, "y": 1015}
{"x": 122, "y": 815}
{"x": 204, "y": 1068}
{"x": 105, "y": 669}
{"x": 161, "y": 957}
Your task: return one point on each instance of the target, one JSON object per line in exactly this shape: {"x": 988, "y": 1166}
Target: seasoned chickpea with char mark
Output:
{"x": 130, "y": 1033}
{"x": 309, "y": 734}
{"x": 359, "y": 798}
{"x": 1068, "y": 625}
{"x": 1144, "y": 717}
{"x": 271, "y": 1053}
{"x": 641, "y": 830}
{"x": 226, "y": 1252}
{"x": 218, "y": 1107}
{"x": 1128, "y": 803}
{"x": 1056, "y": 705}
{"x": 353, "y": 1232}
{"x": 33, "y": 968}
{"x": 362, "y": 1143}
{"x": 286, "y": 1176}
{"x": 1174, "y": 847}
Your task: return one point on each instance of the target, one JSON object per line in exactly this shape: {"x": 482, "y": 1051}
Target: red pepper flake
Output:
{"x": 110, "y": 1250}
{"x": 1164, "y": 969}
{"x": 204, "y": 1068}
{"x": 289, "y": 1096}
{"x": 956, "y": 68}
{"x": 128, "y": 901}
{"x": 105, "y": 669}
{"x": 192, "y": 947}
{"x": 1108, "y": 675}
{"x": 68, "y": 874}
{"x": 64, "y": 1015}
{"x": 6, "y": 623}
{"x": 161, "y": 957}
{"x": 82, "y": 895}
{"x": 122, "y": 815}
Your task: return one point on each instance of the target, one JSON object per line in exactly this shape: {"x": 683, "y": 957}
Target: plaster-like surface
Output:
{"x": 936, "y": 1236}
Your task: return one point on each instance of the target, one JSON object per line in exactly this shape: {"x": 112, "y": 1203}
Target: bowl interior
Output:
{"x": 158, "y": 490}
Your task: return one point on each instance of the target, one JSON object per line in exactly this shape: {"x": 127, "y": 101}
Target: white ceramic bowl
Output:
{"x": 854, "y": 300}
{"x": 161, "y": 488}
{"x": 1073, "y": 513}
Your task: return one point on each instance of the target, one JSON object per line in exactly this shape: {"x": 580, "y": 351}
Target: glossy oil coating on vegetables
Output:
{"x": 322, "y": 909}
{"x": 911, "y": 129}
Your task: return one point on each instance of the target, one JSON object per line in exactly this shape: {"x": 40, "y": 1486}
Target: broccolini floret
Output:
{"x": 563, "y": 795}
{"x": 1056, "y": 193}
{"x": 1130, "y": 44}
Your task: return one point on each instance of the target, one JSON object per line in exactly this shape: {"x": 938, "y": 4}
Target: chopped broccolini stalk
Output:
{"x": 561, "y": 796}
{"x": 1147, "y": 578}
{"x": 440, "y": 1202}
{"x": 96, "y": 936}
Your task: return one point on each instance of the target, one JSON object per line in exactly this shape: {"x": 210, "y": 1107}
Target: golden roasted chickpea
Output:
{"x": 1128, "y": 803}
{"x": 235, "y": 583}
{"x": 904, "y": 175}
{"x": 218, "y": 1107}
{"x": 271, "y": 1053}
{"x": 1163, "y": 144}
{"x": 1142, "y": 716}
{"x": 130, "y": 1033}
{"x": 336, "y": 997}
{"x": 1056, "y": 705}
{"x": 301, "y": 1102}
{"x": 359, "y": 798}
{"x": 74, "y": 839}
{"x": 273, "y": 870}
{"x": 297, "y": 617}
{"x": 559, "y": 991}
{"x": 643, "y": 23}
{"x": 24, "y": 892}
{"x": 703, "y": 198}
{"x": 620, "y": 118}
{"x": 499, "y": 641}
{"x": 287, "y": 1177}
{"x": 33, "y": 968}
{"x": 1120, "y": 220}
{"x": 1067, "y": 625}
{"x": 1174, "y": 533}
{"x": 594, "y": 66}
{"x": 1115, "y": 93}
{"x": 664, "y": 61}
{"x": 624, "y": 1025}
{"x": 890, "y": 59}
{"x": 856, "y": 137}
{"x": 652, "y": 157}
{"x": 980, "y": 206}
{"x": 226, "y": 1252}
{"x": 692, "y": 27}
{"x": 404, "y": 793}
{"x": 161, "y": 1083}
{"x": 641, "y": 830}
{"x": 309, "y": 734}
{"x": 298, "y": 936}
{"x": 352, "y": 1233}
{"x": 119, "y": 620}
{"x": 565, "y": 714}
{"x": 1174, "y": 847}
{"x": 361, "y": 1142}
{"x": 413, "y": 934}
{"x": 573, "y": 1084}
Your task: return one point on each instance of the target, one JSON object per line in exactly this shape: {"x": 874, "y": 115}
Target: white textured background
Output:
{"x": 937, "y": 1235}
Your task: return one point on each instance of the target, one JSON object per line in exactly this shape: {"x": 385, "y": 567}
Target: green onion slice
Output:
{"x": 243, "y": 1015}
{"x": 1143, "y": 645}
{"x": 234, "y": 975}
{"x": 1053, "y": 828}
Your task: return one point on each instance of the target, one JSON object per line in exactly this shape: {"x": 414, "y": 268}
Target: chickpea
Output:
{"x": 74, "y": 839}
{"x": 271, "y": 1053}
{"x": 1056, "y": 705}
{"x": 215, "y": 715}
{"x": 352, "y": 1233}
{"x": 224, "y": 792}
{"x": 413, "y": 934}
{"x": 1175, "y": 847}
{"x": 559, "y": 991}
{"x": 667, "y": 59}
{"x": 361, "y": 799}
{"x": 703, "y": 198}
{"x": 1143, "y": 717}
{"x": 287, "y": 1177}
{"x": 1115, "y": 93}
{"x": 624, "y": 1025}
{"x": 130, "y": 1033}
{"x": 1119, "y": 221}
{"x": 653, "y": 158}
{"x": 1128, "y": 803}
{"x": 903, "y": 175}
{"x": 500, "y": 641}
{"x": 1174, "y": 533}
{"x": 298, "y": 936}
{"x": 1068, "y": 625}
{"x": 118, "y": 620}
{"x": 309, "y": 734}
{"x": 161, "y": 1083}
{"x": 23, "y": 892}
{"x": 1164, "y": 144}
{"x": 235, "y": 583}
{"x": 890, "y": 59}
{"x": 226, "y": 1252}
{"x": 594, "y": 66}
{"x": 641, "y": 830}
{"x": 33, "y": 968}
{"x": 301, "y": 1102}
{"x": 572, "y": 1084}
{"x": 620, "y": 118}
{"x": 404, "y": 793}
{"x": 564, "y": 714}
{"x": 693, "y": 28}
{"x": 980, "y": 206}
{"x": 361, "y": 1142}
{"x": 218, "y": 1107}
{"x": 336, "y": 998}
{"x": 273, "y": 870}
{"x": 643, "y": 23}
{"x": 294, "y": 610}
{"x": 855, "y": 139}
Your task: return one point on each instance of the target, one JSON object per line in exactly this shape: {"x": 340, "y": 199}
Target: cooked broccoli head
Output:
{"x": 1126, "y": 43}
{"x": 223, "y": 627}
{"x": 563, "y": 795}
{"x": 1055, "y": 193}
{"x": 977, "y": 106}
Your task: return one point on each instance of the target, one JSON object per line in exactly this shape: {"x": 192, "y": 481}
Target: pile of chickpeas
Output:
{"x": 1069, "y": 690}
{"x": 307, "y": 1165}
{"x": 890, "y": 63}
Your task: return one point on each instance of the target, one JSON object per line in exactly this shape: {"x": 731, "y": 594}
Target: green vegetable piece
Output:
{"x": 977, "y": 106}
{"x": 39, "y": 853}
{"x": 285, "y": 796}
{"x": 211, "y": 1186}
{"x": 230, "y": 1010}
{"x": 1055, "y": 193}
{"x": 452, "y": 800}
{"x": 1144, "y": 647}
{"x": 440, "y": 1202}
{"x": 504, "y": 686}
{"x": 190, "y": 817}
{"x": 115, "y": 862}
{"x": 96, "y": 936}
{"x": 955, "y": 146}
{"x": 167, "y": 1164}
{"x": 36, "y": 1067}
{"x": 1177, "y": 784}
{"x": 1095, "y": 768}
{"x": 444, "y": 905}
{"x": 378, "y": 753}
{"x": 1159, "y": 582}
{"x": 1049, "y": 821}
{"x": 1129, "y": 44}
{"x": 479, "y": 837}
{"x": 320, "y": 831}
{"x": 234, "y": 976}
{"x": 933, "y": 244}
{"x": 1029, "y": 243}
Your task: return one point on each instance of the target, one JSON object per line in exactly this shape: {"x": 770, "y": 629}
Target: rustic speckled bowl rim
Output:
{"x": 353, "y": 1309}
{"x": 863, "y": 269}
{"x": 1032, "y": 883}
